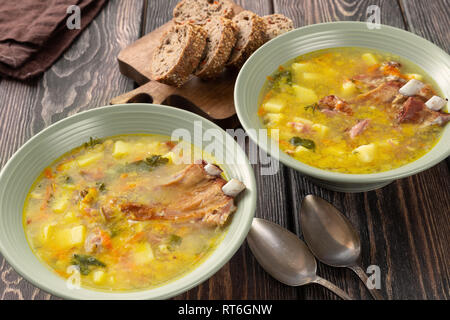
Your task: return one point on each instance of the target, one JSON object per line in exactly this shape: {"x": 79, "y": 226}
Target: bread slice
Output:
{"x": 198, "y": 11}
{"x": 178, "y": 54}
{"x": 251, "y": 35}
{"x": 277, "y": 24}
{"x": 219, "y": 43}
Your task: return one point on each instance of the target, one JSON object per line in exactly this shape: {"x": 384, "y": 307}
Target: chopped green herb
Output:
{"x": 297, "y": 141}
{"x": 101, "y": 186}
{"x": 149, "y": 163}
{"x": 92, "y": 142}
{"x": 282, "y": 76}
{"x": 175, "y": 240}
{"x": 313, "y": 107}
{"x": 84, "y": 262}
{"x": 156, "y": 160}
{"x": 68, "y": 179}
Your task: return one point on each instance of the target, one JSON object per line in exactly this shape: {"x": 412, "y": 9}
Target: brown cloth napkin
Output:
{"x": 33, "y": 33}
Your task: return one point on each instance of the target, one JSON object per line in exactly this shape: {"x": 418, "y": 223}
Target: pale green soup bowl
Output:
{"x": 266, "y": 60}
{"x": 28, "y": 162}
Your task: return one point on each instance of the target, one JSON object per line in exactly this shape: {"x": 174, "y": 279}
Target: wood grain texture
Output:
{"x": 429, "y": 19}
{"x": 305, "y": 12}
{"x": 398, "y": 221}
{"x": 404, "y": 227}
{"x": 213, "y": 98}
{"x": 242, "y": 277}
{"x": 81, "y": 79}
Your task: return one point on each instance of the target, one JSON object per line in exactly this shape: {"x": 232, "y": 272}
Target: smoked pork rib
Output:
{"x": 191, "y": 194}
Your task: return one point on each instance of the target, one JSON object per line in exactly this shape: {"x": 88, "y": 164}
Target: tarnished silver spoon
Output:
{"x": 285, "y": 257}
{"x": 332, "y": 238}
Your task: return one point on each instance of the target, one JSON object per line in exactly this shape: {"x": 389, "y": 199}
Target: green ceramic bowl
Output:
{"x": 340, "y": 34}
{"x": 23, "y": 168}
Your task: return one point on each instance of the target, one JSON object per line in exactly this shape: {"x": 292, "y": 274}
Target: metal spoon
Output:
{"x": 285, "y": 257}
{"x": 331, "y": 237}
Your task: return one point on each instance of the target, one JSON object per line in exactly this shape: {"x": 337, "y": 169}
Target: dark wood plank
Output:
{"x": 242, "y": 277}
{"x": 429, "y": 19}
{"x": 86, "y": 76}
{"x": 307, "y": 12}
{"x": 404, "y": 226}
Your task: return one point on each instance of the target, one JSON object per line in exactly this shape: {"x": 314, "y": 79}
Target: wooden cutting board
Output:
{"x": 212, "y": 99}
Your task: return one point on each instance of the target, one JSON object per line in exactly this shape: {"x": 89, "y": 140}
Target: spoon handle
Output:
{"x": 363, "y": 276}
{"x": 330, "y": 286}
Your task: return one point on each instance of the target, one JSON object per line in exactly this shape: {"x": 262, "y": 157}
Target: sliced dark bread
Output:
{"x": 251, "y": 35}
{"x": 198, "y": 11}
{"x": 219, "y": 43}
{"x": 178, "y": 54}
{"x": 277, "y": 24}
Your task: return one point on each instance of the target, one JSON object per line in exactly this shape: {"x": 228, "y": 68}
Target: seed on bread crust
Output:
{"x": 251, "y": 35}
{"x": 277, "y": 24}
{"x": 178, "y": 54}
{"x": 198, "y": 11}
{"x": 219, "y": 43}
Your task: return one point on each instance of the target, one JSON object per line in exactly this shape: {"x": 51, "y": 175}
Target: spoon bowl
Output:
{"x": 329, "y": 235}
{"x": 332, "y": 238}
{"x": 272, "y": 247}
{"x": 285, "y": 257}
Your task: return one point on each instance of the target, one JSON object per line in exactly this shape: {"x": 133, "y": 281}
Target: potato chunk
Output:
{"x": 321, "y": 129}
{"x": 414, "y": 76}
{"x": 89, "y": 159}
{"x": 348, "y": 88}
{"x": 369, "y": 58}
{"x": 60, "y": 204}
{"x": 47, "y": 231}
{"x": 303, "y": 120}
{"x": 70, "y": 237}
{"x": 301, "y": 149}
{"x": 274, "y": 105}
{"x": 299, "y": 67}
{"x": 271, "y": 119}
{"x": 77, "y": 235}
{"x": 120, "y": 149}
{"x": 143, "y": 253}
{"x": 312, "y": 76}
{"x": 306, "y": 96}
{"x": 98, "y": 276}
{"x": 365, "y": 153}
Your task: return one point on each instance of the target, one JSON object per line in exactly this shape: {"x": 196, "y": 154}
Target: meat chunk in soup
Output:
{"x": 353, "y": 110}
{"x": 191, "y": 194}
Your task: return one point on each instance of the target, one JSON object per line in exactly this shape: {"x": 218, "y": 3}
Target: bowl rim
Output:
{"x": 236, "y": 242}
{"x": 310, "y": 170}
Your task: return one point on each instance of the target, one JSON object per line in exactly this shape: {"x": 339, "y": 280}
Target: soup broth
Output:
{"x": 340, "y": 110}
{"x": 117, "y": 212}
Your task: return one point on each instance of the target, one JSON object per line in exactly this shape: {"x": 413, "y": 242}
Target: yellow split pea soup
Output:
{"x": 124, "y": 214}
{"x": 353, "y": 110}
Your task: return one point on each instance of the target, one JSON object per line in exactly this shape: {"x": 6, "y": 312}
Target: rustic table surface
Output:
{"x": 404, "y": 227}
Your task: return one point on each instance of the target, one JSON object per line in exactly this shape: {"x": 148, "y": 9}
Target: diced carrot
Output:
{"x": 373, "y": 68}
{"x": 124, "y": 175}
{"x": 48, "y": 173}
{"x": 261, "y": 111}
{"x": 170, "y": 144}
{"x": 285, "y": 143}
{"x": 137, "y": 237}
{"x": 106, "y": 239}
{"x": 48, "y": 194}
{"x": 61, "y": 273}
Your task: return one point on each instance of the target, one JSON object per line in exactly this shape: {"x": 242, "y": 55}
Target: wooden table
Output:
{"x": 404, "y": 227}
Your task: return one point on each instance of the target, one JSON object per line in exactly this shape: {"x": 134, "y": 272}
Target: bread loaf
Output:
{"x": 178, "y": 54}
